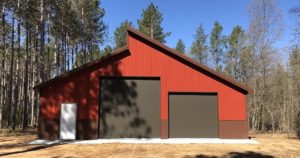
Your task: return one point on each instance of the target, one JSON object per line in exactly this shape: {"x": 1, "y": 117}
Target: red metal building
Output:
{"x": 145, "y": 89}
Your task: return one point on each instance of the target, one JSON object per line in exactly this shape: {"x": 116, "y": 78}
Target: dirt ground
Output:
{"x": 271, "y": 145}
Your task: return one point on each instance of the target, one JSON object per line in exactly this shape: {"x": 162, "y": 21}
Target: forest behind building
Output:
{"x": 42, "y": 39}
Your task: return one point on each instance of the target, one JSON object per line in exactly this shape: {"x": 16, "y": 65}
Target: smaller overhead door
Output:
{"x": 193, "y": 115}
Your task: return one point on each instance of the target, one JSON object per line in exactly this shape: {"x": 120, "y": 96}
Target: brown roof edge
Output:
{"x": 188, "y": 59}
{"x": 91, "y": 63}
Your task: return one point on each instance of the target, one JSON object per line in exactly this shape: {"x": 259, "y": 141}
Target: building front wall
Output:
{"x": 143, "y": 60}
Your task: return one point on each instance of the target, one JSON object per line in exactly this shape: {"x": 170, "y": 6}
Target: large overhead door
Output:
{"x": 129, "y": 108}
{"x": 193, "y": 115}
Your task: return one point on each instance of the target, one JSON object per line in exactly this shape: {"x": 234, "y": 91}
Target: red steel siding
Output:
{"x": 143, "y": 60}
{"x": 177, "y": 77}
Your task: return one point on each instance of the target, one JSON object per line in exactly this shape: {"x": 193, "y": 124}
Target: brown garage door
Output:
{"x": 193, "y": 115}
{"x": 129, "y": 108}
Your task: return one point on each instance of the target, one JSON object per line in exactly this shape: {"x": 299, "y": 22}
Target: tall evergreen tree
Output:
{"x": 150, "y": 24}
{"x": 121, "y": 34}
{"x": 18, "y": 62}
{"x": 180, "y": 47}
{"x": 199, "y": 47}
{"x": 217, "y": 44}
{"x": 94, "y": 24}
{"x": 236, "y": 44}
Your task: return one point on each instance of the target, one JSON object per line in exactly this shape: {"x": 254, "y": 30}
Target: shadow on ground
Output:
{"x": 248, "y": 154}
{"x": 35, "y": 148}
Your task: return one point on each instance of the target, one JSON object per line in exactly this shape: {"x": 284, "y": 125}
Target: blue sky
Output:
{"x": 182, "y": 17}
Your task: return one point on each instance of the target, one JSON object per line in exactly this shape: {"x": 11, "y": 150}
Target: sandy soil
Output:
{"x": 271, "y": 145}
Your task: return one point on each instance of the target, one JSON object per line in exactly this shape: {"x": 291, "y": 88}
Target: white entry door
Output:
{"x": 68, "y": 121}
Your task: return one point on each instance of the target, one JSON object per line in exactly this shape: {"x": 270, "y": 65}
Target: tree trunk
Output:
{"x": 65, "y": 51}
{"x": 49, "y": 69}
{"x": 68, "y": 54}
{"x": 10, "y": 94}
{"x": 16, "y": 93}
{"x": 62, "y": 64}
{"x": 152, "y": 29}
{"x": 3, "y": 67}
{"x": 76, "y": 53}
{"x": 25, "y": 112}
{"x": 72, "y": 58}
{"x": 42, "y": 42}
{"x": 57, "y": 58}
{"x": 85, "y": 53}
{"x": 33, "y": 76}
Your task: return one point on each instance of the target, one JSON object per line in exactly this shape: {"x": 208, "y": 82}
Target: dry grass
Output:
{"x": 272, "y": 145}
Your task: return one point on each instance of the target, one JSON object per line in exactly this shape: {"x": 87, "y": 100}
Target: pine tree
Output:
{"x": 11, "y": 76}
{"x": 107, "y": 49}
{"x": 30, "y": 19}
{"x": 236, "y": 45}
{"x": 94, "y": 24}
{"x": 180, "y": 47}
{"x": 150, "y": 24}
{"x": 199, "y": 47}
{"x": 121, "y": 34}
{"x": 217, "y": 44}
{"x": 18, "y": 62}
{"x": 54, "y": 32}
{"x": 92, "y": 30}
{"x": 3, "y": 31}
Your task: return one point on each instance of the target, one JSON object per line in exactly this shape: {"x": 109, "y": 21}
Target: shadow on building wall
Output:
{"x": 120, "y": 110}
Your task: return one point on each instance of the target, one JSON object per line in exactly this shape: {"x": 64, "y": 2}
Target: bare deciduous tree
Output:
{"x": 265, "y": 28}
